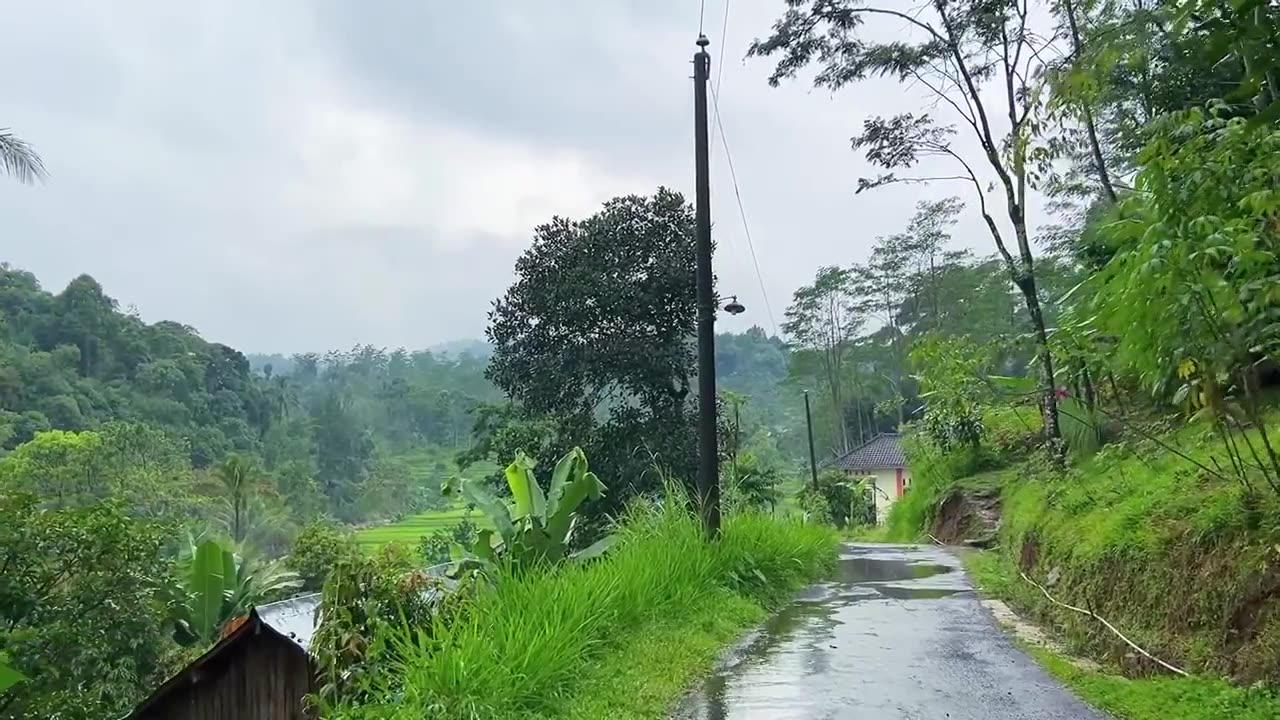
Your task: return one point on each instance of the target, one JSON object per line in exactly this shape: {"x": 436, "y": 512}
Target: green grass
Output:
{"x": 628, "y": 631}
{"x": 1147, "y": 534}
{"x": 1172, "y": 554}
{"x": 1162, "y": 698}
{"x": 638, "y": 678}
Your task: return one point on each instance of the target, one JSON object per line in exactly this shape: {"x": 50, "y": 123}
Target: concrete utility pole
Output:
{"x": 708, "y": 456}
{"x": 808, "y": 422}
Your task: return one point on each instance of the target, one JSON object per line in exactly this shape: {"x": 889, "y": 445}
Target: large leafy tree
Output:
{"x": 597, "y": 331}
{"x": 979, "y": 59}
{"x": 824, "y": 320}
{"x": 81, "y": 608}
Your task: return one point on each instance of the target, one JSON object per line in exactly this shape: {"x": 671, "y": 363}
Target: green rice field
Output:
{"x": 409, "y": 530}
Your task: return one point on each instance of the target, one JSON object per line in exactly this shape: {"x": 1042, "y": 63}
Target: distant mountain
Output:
{"x": 475, "y": 347}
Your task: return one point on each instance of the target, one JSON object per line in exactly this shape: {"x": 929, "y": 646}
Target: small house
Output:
{"x": 259, "y": 670}
{"x": 881, "y": 459}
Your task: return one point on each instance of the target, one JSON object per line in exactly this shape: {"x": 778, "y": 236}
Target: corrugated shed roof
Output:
{"x": 881, "y": 451}
{"x": 294, "y": 618}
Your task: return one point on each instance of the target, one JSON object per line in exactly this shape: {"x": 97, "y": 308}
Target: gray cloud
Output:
{"x": 294, "y": 175}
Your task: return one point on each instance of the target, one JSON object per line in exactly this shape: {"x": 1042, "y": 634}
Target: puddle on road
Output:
{"x": 853, "y": 570}
{"x": 798, "y": 642}
{"x": 909, "y": 593}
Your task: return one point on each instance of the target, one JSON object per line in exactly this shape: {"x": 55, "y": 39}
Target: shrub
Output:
{"x": 364, "y": 597}
{"x": 755, "y": 485}
{"x": 838, "y": 499}
{"x": 537, "y": 529}
{"x": 437, "y": 548}
{"x": 320, "y": 547}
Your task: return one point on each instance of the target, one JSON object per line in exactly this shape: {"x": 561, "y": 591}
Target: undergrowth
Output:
{"x": 535, "y": 645}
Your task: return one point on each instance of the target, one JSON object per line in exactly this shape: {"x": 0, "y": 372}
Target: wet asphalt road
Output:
{"x": 898, "y": 634}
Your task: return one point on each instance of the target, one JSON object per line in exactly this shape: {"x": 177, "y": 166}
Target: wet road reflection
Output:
{"x": 896, "y": 633}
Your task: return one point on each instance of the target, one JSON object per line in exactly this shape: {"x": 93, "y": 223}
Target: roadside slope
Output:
{"x": 1185, "y": 561}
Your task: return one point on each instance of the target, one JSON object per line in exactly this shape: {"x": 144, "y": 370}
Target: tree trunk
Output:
{"x": 1049, "y": 401}
{"x": 1091, "y": 127}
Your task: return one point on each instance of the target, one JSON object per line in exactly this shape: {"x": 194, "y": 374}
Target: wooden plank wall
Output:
{"x": 263, "y": 678}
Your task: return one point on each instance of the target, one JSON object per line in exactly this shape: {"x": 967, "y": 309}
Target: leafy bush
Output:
{"x": 367, "y": 597}
{"x": 756, "y": 483}
{"x": 321, "y": 546}
{"x": 82, "y": 611}
{"x": 952, "y": 375}
{"x": 438, "y": 547}
{"x": 838, "y": 499}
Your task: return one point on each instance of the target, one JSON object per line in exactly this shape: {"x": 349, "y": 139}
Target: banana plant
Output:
{"x": 219, "y": 584}
{"x": 535, "y": 529}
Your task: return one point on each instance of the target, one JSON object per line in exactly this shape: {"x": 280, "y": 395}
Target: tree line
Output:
{"x": 1149, "y": 125}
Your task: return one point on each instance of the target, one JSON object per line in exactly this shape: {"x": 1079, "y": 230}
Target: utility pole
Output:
{"x": 813, "y": 460}
{"x": 708, "y": 458}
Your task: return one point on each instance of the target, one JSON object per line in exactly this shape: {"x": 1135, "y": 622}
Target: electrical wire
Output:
{"x": 746, "y": 229}
{"x": 719, "y": 86}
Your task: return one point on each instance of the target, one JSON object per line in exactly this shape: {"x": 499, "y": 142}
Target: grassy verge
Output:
{"x": 1142, "y": 698}
{"x": 1185, "y": 562}
{"x": 1146, "y": 533}
{"x": 619, "y": 637}
{"x": 1164, "y": 697}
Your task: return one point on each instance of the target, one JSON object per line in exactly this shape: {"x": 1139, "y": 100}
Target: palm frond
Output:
{"x": 19, "y": 159}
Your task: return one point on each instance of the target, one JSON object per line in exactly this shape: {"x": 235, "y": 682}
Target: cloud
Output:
{"x": 302, "y": 175}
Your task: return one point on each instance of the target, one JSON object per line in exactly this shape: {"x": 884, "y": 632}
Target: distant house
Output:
{"x": 259, "y": 670}
{"x": 880, "y": 458}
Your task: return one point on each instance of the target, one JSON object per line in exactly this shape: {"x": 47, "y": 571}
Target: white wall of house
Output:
{"x": 886, "y": 489}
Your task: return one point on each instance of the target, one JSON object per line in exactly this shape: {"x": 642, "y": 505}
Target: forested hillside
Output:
{"x": 355, "y": 435}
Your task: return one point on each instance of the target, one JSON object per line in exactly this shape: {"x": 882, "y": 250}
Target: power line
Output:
{"x": 746, "y": 229}
{"x": 719, "y": 86}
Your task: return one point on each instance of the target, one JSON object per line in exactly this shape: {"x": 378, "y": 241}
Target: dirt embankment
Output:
{"x": 967, "y": 517}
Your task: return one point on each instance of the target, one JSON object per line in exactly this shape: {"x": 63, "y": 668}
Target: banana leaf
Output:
{"x": 208, "y": 584}
{"x": 9, "y": 677}
{"x": 529, "y": 500}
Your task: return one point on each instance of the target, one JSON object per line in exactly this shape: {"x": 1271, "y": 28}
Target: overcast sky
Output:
{"x": 304, "y": 175}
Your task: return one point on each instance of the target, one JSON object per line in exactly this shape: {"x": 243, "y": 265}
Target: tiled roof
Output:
{"x": 881, "y": 451}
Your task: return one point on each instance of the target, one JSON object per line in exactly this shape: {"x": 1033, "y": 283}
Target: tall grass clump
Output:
{"x": 520, "y": 647}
